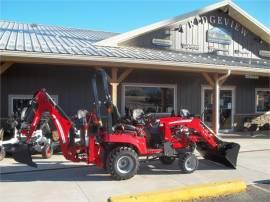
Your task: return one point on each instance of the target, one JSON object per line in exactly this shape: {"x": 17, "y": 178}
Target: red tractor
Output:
{"x": 118, "y": 144}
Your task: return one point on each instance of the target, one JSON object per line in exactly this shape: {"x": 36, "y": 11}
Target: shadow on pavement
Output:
{"x": 262, "y": 181}
{"x": 93, "y": 173}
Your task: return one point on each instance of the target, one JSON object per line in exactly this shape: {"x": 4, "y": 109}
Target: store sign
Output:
{"x": 219, "y": 35}
{"x": 219, "y": 21}
{"x": 162, "y": 42}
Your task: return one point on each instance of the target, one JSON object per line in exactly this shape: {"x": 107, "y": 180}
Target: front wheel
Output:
{"x": 122, "y": 163}
{"x": 188, "y": 163}
{"x": 2, "y": 153}
{"x": 47, "y": 151}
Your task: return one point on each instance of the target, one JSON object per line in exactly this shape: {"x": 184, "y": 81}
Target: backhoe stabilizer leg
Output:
{"x": 22, "y": 154}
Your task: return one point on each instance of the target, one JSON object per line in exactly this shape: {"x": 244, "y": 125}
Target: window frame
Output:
{"x": 124, "y": 85}
{"x": 12, "y": 97}
{"x": 256, "y": 90}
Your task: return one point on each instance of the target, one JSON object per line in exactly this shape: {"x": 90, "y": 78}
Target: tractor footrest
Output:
{"x": 153, "y": 151}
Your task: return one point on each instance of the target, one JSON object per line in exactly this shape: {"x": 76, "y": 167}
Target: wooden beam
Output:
{"x": 208, "y": 79}
{"x": 124, "y": 75}
{"x": 5, "y": 66}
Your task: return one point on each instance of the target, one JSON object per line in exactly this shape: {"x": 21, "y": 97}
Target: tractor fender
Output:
{"x": 136, "y": 142}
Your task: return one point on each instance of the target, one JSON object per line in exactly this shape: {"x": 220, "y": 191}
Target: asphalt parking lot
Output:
{"x": 59, "y": 180}
{"x": 259, "y": 191}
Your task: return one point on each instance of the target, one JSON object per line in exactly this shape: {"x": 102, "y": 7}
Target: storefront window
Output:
{"x": 262, "y": 100}
{"x": 152, "y": 99}
{"x": 18, "y": 102}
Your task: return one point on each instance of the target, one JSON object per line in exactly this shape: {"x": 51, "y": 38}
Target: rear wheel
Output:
{"x": 122, "y": 163}
{"x": 166, "y": 160}
{"x": 188, "y": 163}
{"x": 47, "y": 151}
{"x": 2, "y": 153}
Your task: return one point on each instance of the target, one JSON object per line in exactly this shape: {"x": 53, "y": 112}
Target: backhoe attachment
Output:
{"x": 22, "y": 154}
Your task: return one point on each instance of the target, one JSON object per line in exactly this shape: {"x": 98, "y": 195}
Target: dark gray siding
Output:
{"x": 245, "y": 92}
{"x": 72, "y": 85}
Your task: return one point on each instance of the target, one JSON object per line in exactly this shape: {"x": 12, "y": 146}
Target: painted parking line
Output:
{"x": 258, "y": 187}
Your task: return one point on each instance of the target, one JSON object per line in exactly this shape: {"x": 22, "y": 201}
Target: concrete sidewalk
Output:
{"x": 69, "y": 182}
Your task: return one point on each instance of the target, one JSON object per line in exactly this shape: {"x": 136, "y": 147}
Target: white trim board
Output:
{"x": 46, "y": 58}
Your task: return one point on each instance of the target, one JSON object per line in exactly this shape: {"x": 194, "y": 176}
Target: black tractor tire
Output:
{"x": 2, "y": 153}
{"x": 188, "y": 162}
{"x": 167, "y": 160}
{"x": 122, "y": 163}
{"x": 47, "y": 151}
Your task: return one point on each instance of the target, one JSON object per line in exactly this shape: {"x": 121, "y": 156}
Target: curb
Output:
{"x": 208, "y": 190}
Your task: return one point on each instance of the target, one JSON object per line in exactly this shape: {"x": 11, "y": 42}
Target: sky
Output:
{"x": 113, "y": 15}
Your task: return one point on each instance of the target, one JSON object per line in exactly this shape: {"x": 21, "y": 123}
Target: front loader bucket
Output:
{"x": 22, "y": 154}
{"x": 226, "y": 153}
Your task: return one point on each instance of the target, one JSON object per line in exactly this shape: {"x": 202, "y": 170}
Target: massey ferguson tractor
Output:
{"x": 116, "y": 144}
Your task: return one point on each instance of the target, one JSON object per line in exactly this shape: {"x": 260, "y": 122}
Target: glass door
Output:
{"x": 225, "y": 110}
{"x": 226, "y": 107}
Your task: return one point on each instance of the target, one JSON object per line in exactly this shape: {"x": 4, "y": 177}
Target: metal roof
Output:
{"x": 44, "y": 40}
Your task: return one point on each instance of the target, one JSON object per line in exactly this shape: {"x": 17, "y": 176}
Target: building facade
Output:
{"x": 213, "y": 62}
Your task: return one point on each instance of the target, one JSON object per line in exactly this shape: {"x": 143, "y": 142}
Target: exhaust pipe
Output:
{"x": 226, "y": 153}
{"x": 22, "y": 154}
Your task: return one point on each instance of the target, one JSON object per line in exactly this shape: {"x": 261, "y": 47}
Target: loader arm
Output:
{"x": 211, "y": 147}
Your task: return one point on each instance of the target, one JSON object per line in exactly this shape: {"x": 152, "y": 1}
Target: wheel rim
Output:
{"x": 191, "y": 163}
{"x": 125, "y": 164}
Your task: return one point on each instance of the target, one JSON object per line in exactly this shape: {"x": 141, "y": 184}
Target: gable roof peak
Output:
{"x": 234, "y": 11}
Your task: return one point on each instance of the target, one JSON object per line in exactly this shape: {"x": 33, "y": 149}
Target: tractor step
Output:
{"x": 154, "y": 151}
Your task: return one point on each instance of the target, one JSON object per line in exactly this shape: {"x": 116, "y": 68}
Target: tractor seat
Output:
{"x": 124, "y": 127}
{"x": 116, "y": 121}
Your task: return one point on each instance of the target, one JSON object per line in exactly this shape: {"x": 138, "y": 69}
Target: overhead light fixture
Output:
{"x": 264, "y": 53}
{"x": 248, "y": 76}
{"x": 179, "y": 29}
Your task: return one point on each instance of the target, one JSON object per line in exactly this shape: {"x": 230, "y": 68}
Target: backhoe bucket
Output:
{"x": 226, "y": 153}
{"x": 22, "y": 154}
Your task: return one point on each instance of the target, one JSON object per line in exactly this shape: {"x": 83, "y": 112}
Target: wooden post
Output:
{"x": 114, "y": 92}
{"x": 115, "y": 81}
{"x": 214, "y": 83}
